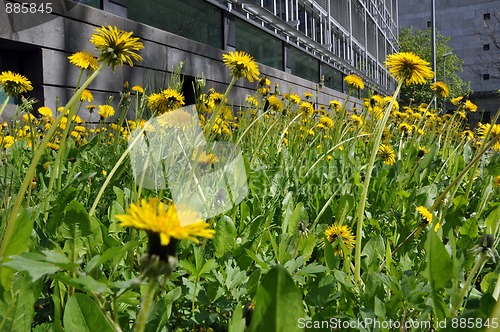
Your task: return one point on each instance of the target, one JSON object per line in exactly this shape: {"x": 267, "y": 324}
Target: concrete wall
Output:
{"x": 69, "y": 28}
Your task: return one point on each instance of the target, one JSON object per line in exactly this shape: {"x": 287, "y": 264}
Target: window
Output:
{"x": 486, "y": 16}
{"x": 303, "y": 65}
{"x": 196, "y": 20}
{"x": 486, "y": 77}
{"x": 263, "y": 46}
{"x": 429, "y": 24}
{"x": 486, "y": 47}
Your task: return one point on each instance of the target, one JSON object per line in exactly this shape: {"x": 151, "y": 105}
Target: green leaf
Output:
{"x": 438, "y": 271}
{"x": 209, "y": 265}
{"x": 439, "y": 263}
{"x": 237, "y": 322}
{"x": 225, "y": 236}
{"x": 299, "y": 214}
{"x": 470, "y": 228}
{"x": 34, "y": 264}
{"x": 374, "y": 249}
{"x": 22, "y": 303}
{"x": 18, "y": 243}
{"x": 278, "y": 303}
{"x": 344, "y": 206}
{"x": 492, "y": 222}
{"x": 76, "y": 223}
{"x": 162, "y": 310}
{"x": 83, "y": 315}
{"x": 111, "y": 253}
{"x": 87, "y": 283}
{"x": 489, "y": 281}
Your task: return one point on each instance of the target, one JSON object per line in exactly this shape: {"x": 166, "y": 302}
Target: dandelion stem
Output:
{"x": 362, "y": 202}
{"x": 4, "y": 105}
{"x": 147, "y": 300}
{"x": 113, "y": 171}
{"x": 475, "y": 269}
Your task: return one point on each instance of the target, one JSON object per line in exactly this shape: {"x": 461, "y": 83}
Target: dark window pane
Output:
{"x": 195, "y": 20}
{"x": 265, "y": 48}
{"x": 333, "y": 78}
{"x": 303, "y": 65}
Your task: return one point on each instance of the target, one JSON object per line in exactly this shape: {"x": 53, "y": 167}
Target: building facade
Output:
{"x": 299, "y": 44}
{"x": 474, "y": 31}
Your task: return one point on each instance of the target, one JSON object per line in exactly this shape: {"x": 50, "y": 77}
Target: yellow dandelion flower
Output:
{"x": 386, "y": 154}
{"x": 251, "y": 100}
{"x": 14, "y": 84}
{"x": 468, "y": 134}
{"x": 294, "y": 98}
{"x": 335, "y": 105}
{"x": 165, "y": 101}
{"x": 470, "y": 106}
{"x": 275, "y": 103}
{"x": 425, "y": 214}
{"x": 440, "y": 89}
{"x": 116, "y": 46}
{"x": 203, "y": 158}
{"x": 306, "y": 107}
{"x": 409, "y": 67}
{"x": 84, "y": 60}
{"x": 264, "y": 81}
{"x": 326, "y": 121}
{"x": 138, "y": 89}
{"x": 307, "y": 94}
{"x": 7, "y": 141}
{"x": 357, "y": 120}
{"x": 405, "y": 128}
{"x": 342, "y": 234}
{"x": 75, "y": 134}
{"x": 484, "y": 128}
{"x": 77, "y": 119}
{"x": 354, "y": 82}
{"x": 457, "y": 100}
{"x": 169, "y": 222}
{"x": 45, "y": 111}
{"x": 27, "y": 117}
{"x": 86, "y": 96}
{"x": 106, "y": 111}
{"x": 80, "y": 129}
{"x": 215, "y": 98}
{"x": 53, "y": 146}
{"x": 241, "y": 64}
